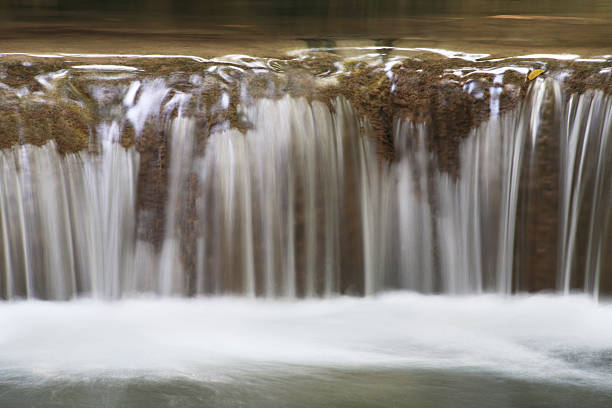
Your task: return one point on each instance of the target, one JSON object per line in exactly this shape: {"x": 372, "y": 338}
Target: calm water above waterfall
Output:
{"x": 398, "y": 204}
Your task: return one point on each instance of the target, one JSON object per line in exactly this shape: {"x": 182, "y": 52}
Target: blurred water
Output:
{"x": 394, "y": 349}
{"x": 397, "y": 348}
{"x": 298, "y": 205}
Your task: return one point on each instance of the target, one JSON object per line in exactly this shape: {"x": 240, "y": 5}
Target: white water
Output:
{"x": 586, "y": 161}
{"x": 541, "y": 338}
{"x": 67, "y": 223}
{"x": 289, "y": 173}
{"x": 300, "y": 205}
{"x": 475, "y": 225}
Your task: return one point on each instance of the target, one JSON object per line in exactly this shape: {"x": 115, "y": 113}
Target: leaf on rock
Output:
{"x": 535, "y": 73}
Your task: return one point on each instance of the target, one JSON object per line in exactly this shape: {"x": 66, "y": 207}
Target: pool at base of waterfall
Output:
{"x": 394, "y": 349}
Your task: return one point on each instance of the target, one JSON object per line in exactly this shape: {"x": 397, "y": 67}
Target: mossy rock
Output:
{"x": 66, "y": 123}
{"x": 423, "y": 90}
{"x": 9, "y": 127}
{"x": 369, "y": 91}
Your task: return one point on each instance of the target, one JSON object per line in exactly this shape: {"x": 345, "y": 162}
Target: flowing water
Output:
{"x": 397, "y": 349}
{"x": 299, "y": 205}
{"x": 291, "y": 228}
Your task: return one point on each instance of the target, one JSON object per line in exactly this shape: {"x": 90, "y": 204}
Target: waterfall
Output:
{"x": 586, "y": 186}
{"x": 299, "y": 204}
{"x": 486, "y": 227}
{"x": 269, "y": 220}
{"x": 67, "y": 221}
{"x": 270, "y": 213}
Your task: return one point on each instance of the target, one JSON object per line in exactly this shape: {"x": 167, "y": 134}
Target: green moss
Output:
{"x": 67, "y": 123}
{"x": 585, "y": 77}
{"x": 9, "y": 127}
{"x": 127, "y": 138}
{"x": 369, "y": 91}
{"x": 424, "y": 91}
{"x": 17, "y": 72}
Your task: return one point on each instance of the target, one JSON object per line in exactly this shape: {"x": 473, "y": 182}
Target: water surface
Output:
{"x": 396, "y": 349}
{"x": 268, "y": 27}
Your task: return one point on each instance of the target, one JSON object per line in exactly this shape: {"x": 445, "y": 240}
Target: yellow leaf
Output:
{"x": 535, "y": 73}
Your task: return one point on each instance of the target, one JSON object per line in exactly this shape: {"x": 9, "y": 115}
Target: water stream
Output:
{"x": 299, "y": 205}
{"x": 212, "y": 245}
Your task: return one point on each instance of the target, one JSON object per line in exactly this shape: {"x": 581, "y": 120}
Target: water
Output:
{"x": 479, "y": 214}
{"x": 245, "y": 239}
{"x": 297, "y": 204}
{"x": 399, "y": 348}
{"x": 184, "y": 230}
{"x": 271, "y": 27}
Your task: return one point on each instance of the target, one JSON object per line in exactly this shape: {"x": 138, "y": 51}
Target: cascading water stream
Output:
{"x": 299, "y": 204}
{"x": 479, "y": 219}
{"x": 264, "y": 193}
{"x": 305, "y": 204}
{"x": 185, "y": 195}
{"x": 585, "y": 212}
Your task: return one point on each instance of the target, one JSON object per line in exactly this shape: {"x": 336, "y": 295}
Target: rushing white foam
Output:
{"x": 148, "y": 104}
{"x": 540, "y": 337}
